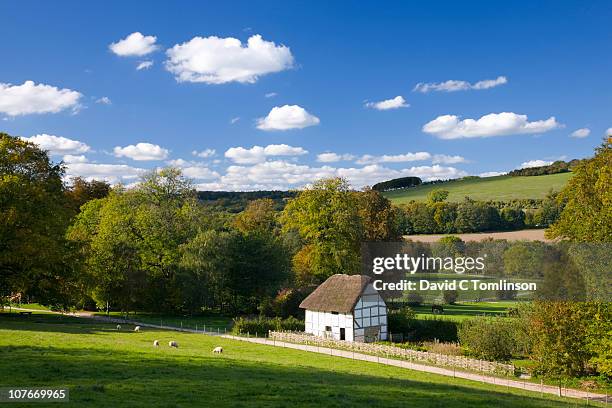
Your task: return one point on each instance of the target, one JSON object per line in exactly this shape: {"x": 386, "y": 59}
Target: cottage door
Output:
{"x": 342, "y": 333}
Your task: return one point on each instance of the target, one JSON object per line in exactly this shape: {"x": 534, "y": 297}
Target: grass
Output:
{"x": 104, "y": 367}
{"x": 501, "y": 188}
{"x": 212, "y": 321}
{"x": 466, "y": 310}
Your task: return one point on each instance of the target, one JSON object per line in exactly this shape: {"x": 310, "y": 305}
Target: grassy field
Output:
{"x": 103, "y": 367}
{"x": 208, "y": 321}
{"x": 500, "y": 188}
{"x": 466, "y": 310}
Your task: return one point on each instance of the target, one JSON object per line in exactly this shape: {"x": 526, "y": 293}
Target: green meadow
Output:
{"x": 500, "y": 188}
{"x": 105, "y": 367}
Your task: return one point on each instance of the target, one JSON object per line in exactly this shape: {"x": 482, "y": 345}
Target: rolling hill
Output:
{"x": 500, "y": 188}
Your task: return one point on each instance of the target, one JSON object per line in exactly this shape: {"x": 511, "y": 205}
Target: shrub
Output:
{"x": 450, "y": 296}
{"x": 414, "y": 299}
{"x": 262, "y": 325}
{"x": 493, "y": 338}
{"x": 451, "y": 349}
{"x": 403, "y": 321}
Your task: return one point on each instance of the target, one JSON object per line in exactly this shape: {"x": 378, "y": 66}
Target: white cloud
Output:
{"x": 609, "y": 132}
{"x": 270, "y": 94}
{"x": 112, "y": 173}
{"x": 329, "y": 157}
{"x": 69, "y": 158}
{"x": 446, "y": 159}
{"x": 580, "y": 133}
{"x": 29, "y": 98}
{"x": 258, "y": 154}
{"x": 206, "y": 153}
{"x": 134, "y": 45}
{"x": 215, "y": 60}
{"x": 491, "y": 174}
{"x": 455, "y": 85}
{"x": 144, "y": 65}
{"x": 396, "y": 158}
{"x": 105, "y": 100}
{"x": 234, "y": 120}
{"x": 493, "y": 124}
{"x": 535, "y": 163}
{"x": 194, "y": 170}
{"x": 394, "y": 103}
{"x": 287, "y": 117}
{"x": 142, "y": 151}
{"x": 57, "y": 144}
{"x": 282, "y": 175}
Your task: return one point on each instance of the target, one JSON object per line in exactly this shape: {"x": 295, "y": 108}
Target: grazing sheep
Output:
{"x": 173, "y": 344}
{"x": 137, "y": 328}
{"x": 118, "y": 327}
{"x": 156, "y": 343}
{"x": 218, "y": 349}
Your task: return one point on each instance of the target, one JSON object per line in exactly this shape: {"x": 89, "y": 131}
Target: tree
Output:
{"x": 587, "y": 214}
{"x": 258, "y": 217}
{"x": 82, "y": 191}
{"x": 437, "y": 196}
{"x": 377, "y": 217}
{"x": 35, "y": 258}
{"x": 512, "y": 218}
{"x": 326, "y": 216}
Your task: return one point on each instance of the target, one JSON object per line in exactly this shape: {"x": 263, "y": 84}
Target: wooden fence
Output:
{"x": 387, "y": 351}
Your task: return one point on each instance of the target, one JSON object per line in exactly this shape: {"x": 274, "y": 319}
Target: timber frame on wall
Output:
{"x": 370, "y": 317}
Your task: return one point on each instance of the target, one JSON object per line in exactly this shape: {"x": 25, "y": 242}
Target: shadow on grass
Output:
{"x": 173, "y": 377}
{"x": 53, "y": 323}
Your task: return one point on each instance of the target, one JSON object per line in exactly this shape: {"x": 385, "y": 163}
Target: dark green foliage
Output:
{"x": 237, "y": 201}
{"x": 559, "y": 166}
{"x": 261, "y": 326}
{"x": 394, "y": 184}
{"x": 494, "y": 338}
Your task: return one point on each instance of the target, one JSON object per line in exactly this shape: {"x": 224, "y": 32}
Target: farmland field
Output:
{"x": 105, "y": 367}
{"x": 501, "y": 188}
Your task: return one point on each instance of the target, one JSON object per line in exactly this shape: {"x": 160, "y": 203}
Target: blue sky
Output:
{"x": 530, "y": 75}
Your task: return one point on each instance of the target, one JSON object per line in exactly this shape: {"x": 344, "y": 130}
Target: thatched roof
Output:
{"x": 339, "y": 293}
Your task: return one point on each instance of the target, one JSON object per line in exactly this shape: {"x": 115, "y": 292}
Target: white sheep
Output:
{"x": 118, "y": 327}
{"x": 137, "y": 328}
{"x": 173, "y": 344}
{"x": 218, "y": 349}
{"x": 156, "y": 343}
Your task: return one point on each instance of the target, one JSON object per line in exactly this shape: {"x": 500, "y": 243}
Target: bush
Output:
{"x": 451, "y": 349}
{"x": 493, "y": 338}
{"x": 403, "y": 321}
{"x": 450, "y": 296}
{"x": 262, "y": 325}
{"x": 414, "y": 299}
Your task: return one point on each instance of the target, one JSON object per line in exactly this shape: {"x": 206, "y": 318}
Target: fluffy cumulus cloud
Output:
{"x": 535, "y": 163}
{"x": 215, "y": 60}
{"x": 580, "y": 133}
{"x": 609, "y": 132}
{"x": 105, "y": 100}
{"x": 205, "y": 154}
{"x": 71, "y": 158}
{"x": 58, "y": 145}
{"x": 447, "y": 159}
{"x": 194, "y": 170}
{"x": 491, "y": 174}
{"x": 144, "y": 65}
{"x": 29, "y": 98}
{"x": 493, "y": 124}
{"x": 395, "y": 158}
{"x": 258, "y": 154}
{"x": 394, "y": 103}
{"x": 134, "y": 45}
{"x": 287, "y": 117}
{"x": 281, "y": 174}
{"x": 455, "y": 85}
{"x": 112, "y": 173}
{"x": 142, "y": 151}
{"x": 330, "y": 157}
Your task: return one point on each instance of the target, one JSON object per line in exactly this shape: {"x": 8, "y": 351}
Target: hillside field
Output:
{"x": 500, "y": 188}
{"x": 105, "y": 367}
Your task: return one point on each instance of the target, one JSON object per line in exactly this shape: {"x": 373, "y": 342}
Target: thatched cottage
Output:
{"x": 346, "y": 307}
